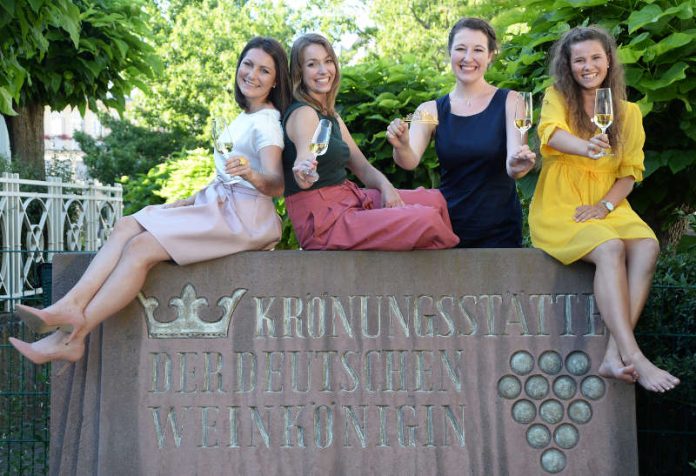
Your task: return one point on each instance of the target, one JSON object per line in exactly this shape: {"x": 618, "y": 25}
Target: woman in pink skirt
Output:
{"x": 226, "y": 217}
{"x": 331, "y": 212}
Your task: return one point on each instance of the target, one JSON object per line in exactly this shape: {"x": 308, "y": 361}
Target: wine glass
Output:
{"x": 222, "y": 140}
{"x": 421, "y": 117}
{"x": 523, "y": 113}
{"x": 603, "y": 114}
{"x": 222, "y": 144}
{"x": 319, "y": 146}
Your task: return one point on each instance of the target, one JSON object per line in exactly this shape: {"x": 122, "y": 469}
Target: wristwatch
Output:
{"x": 608, "y": 205}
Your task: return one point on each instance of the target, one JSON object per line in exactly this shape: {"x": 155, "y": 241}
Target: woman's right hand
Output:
{"x": 596, "y": 145}
{"x": 397, "y": 134}
{"x": 300, "y": 170}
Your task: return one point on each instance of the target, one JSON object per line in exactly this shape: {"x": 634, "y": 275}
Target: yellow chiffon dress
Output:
{"x": 569, "y": 181}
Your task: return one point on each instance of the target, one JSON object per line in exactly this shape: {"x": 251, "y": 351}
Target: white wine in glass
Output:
{"x": 222, "y": 140}
{"x": 603, "y": 113}
{"x": 319, "y": 146}
{"x": 524, "y": 110}
{"x": 222, "y": 144}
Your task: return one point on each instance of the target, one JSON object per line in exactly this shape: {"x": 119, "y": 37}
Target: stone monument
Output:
{"x": 477, "y": 362}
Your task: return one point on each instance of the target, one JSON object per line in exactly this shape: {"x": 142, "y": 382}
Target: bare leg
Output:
{"x": 611, "y": 286}
{"x": 612, "y": 365}
{"x": 126, "y": 280}
{"x": 140, "y": 254}
{"x": 68, "y": 311}
{"x": 641, "y": 258}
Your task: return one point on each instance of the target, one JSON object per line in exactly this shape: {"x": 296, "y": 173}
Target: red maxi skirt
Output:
{"x": 345, "y": 217}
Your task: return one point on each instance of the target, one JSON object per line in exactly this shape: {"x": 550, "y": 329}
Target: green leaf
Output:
{"x": 639, "y": 38}
{"x": 651, "y": 163}
{"x": 675, "y": 40}
{"x": 9, "y": 7}
{"x": 679, "y": 160}
{"x": 633, "y": 76}
{"x": 122, "y": 46}
{"x": 54, "y": 81}
{"x": 628, "y": 55}
{"x": 6, "y": 102}
{"x": 646, "y": 15}
{"x": 94, "y": 67}
{"x": 683, "y": 11}
{"x": 675, "y": 73}
{"x": 583, "y": 3}
{"x": 645, "y": 105}
{"x": 36, "y": 5}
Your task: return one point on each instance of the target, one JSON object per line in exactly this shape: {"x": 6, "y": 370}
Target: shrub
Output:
{"x": 178, "y": 177}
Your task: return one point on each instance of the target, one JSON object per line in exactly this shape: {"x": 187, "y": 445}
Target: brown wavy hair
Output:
{"x": 299, "y": 90}
{"x": 565, "y": 83}
{"x": 280, "y": 95}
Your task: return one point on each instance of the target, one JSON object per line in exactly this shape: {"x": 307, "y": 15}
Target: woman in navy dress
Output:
{"x": 480, "y": 151}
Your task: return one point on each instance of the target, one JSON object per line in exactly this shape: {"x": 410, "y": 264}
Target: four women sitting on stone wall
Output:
{"x": 579, "y": 210}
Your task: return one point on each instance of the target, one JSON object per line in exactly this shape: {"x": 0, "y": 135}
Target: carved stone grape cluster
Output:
{"x": 552, "y": 404}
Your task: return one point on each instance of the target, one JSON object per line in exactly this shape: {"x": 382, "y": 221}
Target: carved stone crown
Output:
{"x": 188, "y": 323}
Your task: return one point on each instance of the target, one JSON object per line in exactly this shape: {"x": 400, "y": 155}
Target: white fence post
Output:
{"x": 12, "y": 264}
{"x": 91, "y": 218}
{"x": 55, "y": 209}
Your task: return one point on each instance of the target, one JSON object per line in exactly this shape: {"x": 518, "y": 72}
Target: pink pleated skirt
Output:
{"x": 225, "y": 219}
{"x": 345, "y": 217}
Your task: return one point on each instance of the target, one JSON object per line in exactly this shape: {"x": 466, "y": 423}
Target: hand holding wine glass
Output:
{"x": 603, "y": 114}
{"x": 318, "y": 146}
{"x": 223, "y": 143}
{"x": 524, "y": 111}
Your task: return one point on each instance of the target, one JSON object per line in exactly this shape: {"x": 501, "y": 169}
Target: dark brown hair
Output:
{"x": 299, "y": 90}
{"x": 565, "y": 83}
{"x": 280, "y": 95}
{"x": 476, "y": 24}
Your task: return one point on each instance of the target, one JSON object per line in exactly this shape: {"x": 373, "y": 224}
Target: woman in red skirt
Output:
{"x": 331, "y": 212}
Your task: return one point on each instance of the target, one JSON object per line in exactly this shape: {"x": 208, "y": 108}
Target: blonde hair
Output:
{"x": 299, "y": 89}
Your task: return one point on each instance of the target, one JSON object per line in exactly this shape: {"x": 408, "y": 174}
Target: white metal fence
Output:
{"x": 39, "y": 219}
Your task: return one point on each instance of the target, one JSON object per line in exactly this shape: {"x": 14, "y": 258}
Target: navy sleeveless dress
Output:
{"x": 481, "y": 197}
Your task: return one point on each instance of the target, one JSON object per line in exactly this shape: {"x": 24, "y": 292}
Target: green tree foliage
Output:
{"x": 376, "y": 92}
{"x": 420, "y": 27}
{"x": 108, "y": 59}
{"x": 178, "y": 177}
{"x": 72, "y": 54}
{"x": 657, "y": 41}
{"x": 25, "y": 32}
{"x": 128, "y": 149}
{"x": 199, "y": 43}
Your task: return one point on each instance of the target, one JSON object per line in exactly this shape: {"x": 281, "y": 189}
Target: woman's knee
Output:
{"x": 612, "y": 250}
{"x": 126, "y": 226}
{"x": 144, "y": 249}
{"x": 426, "y": 197}
{"x": 646, "y": 249}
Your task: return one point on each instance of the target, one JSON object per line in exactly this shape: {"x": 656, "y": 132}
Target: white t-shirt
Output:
{"x": 250, "y": 133}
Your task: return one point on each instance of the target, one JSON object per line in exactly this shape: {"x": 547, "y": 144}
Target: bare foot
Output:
{"x": 652, "y": 377}
{"x": 52, "y": 347}
{"x": 618, "y": 370}
{"x": 65, "y": 318}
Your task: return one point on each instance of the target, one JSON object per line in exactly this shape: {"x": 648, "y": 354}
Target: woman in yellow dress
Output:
{"x": 579, "y": 210}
